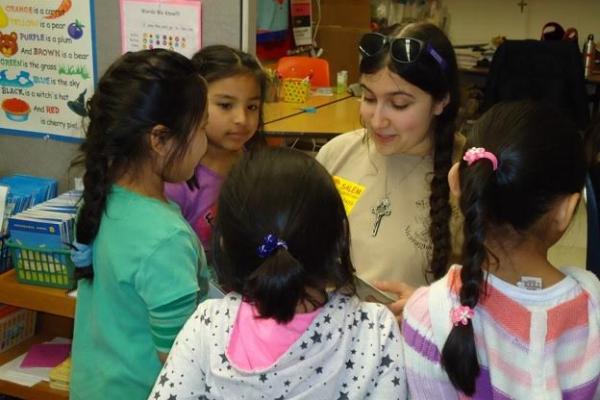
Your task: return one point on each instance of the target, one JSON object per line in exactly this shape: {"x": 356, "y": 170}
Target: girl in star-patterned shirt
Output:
{"x": 291, "y": 327}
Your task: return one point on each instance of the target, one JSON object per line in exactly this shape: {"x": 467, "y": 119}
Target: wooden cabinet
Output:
{"x": 343, "y": 22}
{"x": 56, "y": 311}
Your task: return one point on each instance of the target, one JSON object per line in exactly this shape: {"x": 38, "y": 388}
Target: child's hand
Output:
{"x": 402, "y": 292}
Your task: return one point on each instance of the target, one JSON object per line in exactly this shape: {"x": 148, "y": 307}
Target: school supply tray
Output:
{"x": 16, "y": 326}
{"x": 43, "y": 267}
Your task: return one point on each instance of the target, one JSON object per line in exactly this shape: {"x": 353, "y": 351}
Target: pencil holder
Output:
{"x": 272, "y": 90}
{"x": 295, "y": 90}
{"x": 43, "y": 267}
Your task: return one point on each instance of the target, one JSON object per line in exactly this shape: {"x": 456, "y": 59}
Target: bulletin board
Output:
{"x": 230, "y": 22}
{"x": 47, "y": 67}
{"x": 167, "y": 24}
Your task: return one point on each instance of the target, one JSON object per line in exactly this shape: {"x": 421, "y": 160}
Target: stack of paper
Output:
{"x": 467, "y": 57}
{"x": 478, "y": 55}
{"x": 29, "y": 375}
{"x": 60, "y": 376}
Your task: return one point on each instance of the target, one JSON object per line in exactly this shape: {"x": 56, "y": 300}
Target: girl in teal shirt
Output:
{"x": 146, "y": 128}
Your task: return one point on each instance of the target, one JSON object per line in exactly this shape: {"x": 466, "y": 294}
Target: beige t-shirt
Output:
{"x": 401, "y": 250}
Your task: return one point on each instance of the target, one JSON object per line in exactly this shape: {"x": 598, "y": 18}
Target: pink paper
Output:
{"x": 46, "y": 355}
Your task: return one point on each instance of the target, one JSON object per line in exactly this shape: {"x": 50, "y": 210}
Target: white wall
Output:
{"x": 477, "y": 21}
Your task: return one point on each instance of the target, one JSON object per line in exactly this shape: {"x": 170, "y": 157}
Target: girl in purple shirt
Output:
{"x": 236, "y": 87}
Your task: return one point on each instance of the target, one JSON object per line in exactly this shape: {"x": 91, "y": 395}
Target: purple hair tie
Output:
{"x": 269, "y": 244}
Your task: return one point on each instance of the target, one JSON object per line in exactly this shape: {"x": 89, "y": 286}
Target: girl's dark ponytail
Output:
{"x": 277, "y": 285}
{"x": 459, "y": 355}
{"x": 96, "y": 183}
{"x": 291, "y": 197}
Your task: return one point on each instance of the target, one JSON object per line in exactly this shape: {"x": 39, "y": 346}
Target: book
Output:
{"x": 60, "y": 376}
{"x": 32, "y": 232}
{"x": 47, "y": 225}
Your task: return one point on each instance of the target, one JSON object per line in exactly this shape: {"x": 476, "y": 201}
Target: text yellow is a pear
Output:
{"x": 3, "y": 18}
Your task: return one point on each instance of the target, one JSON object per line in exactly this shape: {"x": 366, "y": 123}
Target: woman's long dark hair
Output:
{"x": 138, "y": 92}
{"x": 427, "y": 74}
{"x": 289, "y": 194}
{"x": 540, "y": 158}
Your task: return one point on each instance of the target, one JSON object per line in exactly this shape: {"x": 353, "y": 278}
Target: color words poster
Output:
{"x": 47, "y": 67}
{"x": 165, "y": 24}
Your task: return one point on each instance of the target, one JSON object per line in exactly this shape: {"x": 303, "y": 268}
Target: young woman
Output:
{"x": 398, "y": 164}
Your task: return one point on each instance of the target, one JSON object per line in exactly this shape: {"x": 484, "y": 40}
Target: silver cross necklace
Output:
{"x": 382, "y": 209}
{"x": 384, "y": 205}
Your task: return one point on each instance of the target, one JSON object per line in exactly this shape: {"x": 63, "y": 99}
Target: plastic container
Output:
{"x": 272, "y": 94}
{"x": 43, "y": 267}
{"x": 295, "y": 90}
{"x": 589, "y": 55}
{"x": 16, "y": 326}
{"x": 341, "y": 82}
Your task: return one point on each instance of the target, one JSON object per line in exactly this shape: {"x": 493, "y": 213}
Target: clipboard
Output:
{"x": 214, "y": 291}
{"x": 367, "y": 292}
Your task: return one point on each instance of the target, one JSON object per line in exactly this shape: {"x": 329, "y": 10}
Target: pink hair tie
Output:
{"x": 461, "y": 315}
{"x": 477, "y": 153}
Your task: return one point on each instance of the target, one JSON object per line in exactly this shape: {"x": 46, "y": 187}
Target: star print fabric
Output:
{"x": 351, "y": 350}
{"x": 256, "y": 343}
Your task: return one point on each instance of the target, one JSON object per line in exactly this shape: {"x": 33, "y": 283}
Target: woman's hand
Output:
{"x": 402, "y": 292}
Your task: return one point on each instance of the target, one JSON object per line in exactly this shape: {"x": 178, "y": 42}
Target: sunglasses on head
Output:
{"x": 402, "y": 50}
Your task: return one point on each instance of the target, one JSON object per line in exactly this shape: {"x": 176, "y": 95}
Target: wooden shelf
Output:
{"x": 38, "y": 298}
{"x": 40, "y": 391}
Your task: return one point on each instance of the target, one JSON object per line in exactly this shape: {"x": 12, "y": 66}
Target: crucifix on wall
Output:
{"x": 522, "y": 4}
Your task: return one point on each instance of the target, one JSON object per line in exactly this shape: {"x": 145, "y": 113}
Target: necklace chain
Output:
{"x": 384, "y": 205}
{"x": 386, "y": 193}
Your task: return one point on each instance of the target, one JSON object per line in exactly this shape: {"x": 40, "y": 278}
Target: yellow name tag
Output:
{"x": 349, "y": 191}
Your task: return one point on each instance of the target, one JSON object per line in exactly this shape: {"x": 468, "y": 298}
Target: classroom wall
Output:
{"x": 477, "y": 21}
{"x": 222, "y": 23}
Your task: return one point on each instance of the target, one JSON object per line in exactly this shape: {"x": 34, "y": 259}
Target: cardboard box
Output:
{"x": 16, "y": 325}
{"x": 346, "y": 13}
{"x": 340, "y": 48}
